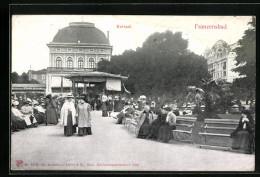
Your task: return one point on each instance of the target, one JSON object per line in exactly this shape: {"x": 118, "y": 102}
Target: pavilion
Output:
{"x": 112, "y": 82}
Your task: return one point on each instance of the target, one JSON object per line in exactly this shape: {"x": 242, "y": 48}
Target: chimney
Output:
{"x": 108, "y": 35}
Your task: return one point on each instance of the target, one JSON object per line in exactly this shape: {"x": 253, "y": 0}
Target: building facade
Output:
{"x": 76, "y": 48}
{"x": 39, "y": 75}
{"x": 221, "y": 61}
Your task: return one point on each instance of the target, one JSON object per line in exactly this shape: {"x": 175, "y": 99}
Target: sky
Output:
{"x": 31, "y": 33}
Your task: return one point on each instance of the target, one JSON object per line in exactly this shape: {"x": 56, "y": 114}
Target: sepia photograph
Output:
{"x": 132, "y": 93}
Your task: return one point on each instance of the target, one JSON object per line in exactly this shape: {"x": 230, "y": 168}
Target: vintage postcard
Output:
{"x": 133, "y": 93}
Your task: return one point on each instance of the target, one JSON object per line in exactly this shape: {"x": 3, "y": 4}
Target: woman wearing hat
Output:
{"x": 143, "y": 123}
{"x": 84, "y": 117}
{"x": 165, "y": 131}
{"x": 68, "y": 116}
{"x": 27, "y": 110}
{"x": 17, "y": 118}
{"x": 109, "y": 105}
{"x": 243, "y": 136}
{"x": 157, "y": 123}
{"x": 51, "y": 110}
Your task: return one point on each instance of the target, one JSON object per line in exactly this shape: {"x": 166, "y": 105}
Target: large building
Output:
{"x": 75, "y": 49}
{"x": 39, "y": 75}
{"x": 221, "y": 61}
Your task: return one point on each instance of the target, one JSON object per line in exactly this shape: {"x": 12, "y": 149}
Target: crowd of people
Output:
{"x": 154, "y": 120}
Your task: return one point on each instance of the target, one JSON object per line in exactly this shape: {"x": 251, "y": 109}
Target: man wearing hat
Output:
{"x": 27, "y": 110}
{"x": 68, "y": 116}
{"x": 141, "y": 102}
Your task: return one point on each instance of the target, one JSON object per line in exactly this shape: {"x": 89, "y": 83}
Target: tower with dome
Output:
{"x": 75, "y": 49}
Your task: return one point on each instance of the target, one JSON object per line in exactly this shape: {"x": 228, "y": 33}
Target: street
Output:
{"x": 113, "y": 147}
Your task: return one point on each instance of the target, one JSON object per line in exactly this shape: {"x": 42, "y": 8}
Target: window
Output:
{"x": 91, "y": 63}
{"x": 224, "y": 65}
{"x": 224, "y": 73}
{"x": 80, "y": 50}
{"x": 91, "y": 50}
{"x": 69, "y": 62}
{"x": 58, "y": 49}
{"x": 58, "y": 62}
{"x": 43, "y": 77}
{"x": 69, "y": 50}
{"x": 80, "y": 63}
{"x": 101, "y": 50}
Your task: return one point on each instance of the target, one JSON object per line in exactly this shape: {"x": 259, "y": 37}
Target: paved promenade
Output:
{"x": 112, "y": 147}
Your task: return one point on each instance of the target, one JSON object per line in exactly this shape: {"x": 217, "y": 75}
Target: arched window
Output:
{"x": 91, "y": 63}
{"x": 80, "y": 63}
{"x": 58, "y": 62}
{"x": 69, "y": 62}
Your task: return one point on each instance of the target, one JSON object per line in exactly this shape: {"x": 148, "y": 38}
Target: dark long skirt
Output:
{"x": 82, "y": 131}
{"x": 104, "y": 113}
{"x": 51, "y": 117}
{"x": 144, "y": 129}
{"x": 243, "y": 141}
{"x": 120, "y": 117}
{"x": 154, "y": 129}
{"x": 70, "y": 128}
{"x": 165, "y": 133}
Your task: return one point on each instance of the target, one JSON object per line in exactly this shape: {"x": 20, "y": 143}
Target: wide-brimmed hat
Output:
{"x": 26, "y": 102}
{"x": 142, "y": 97}
{"x": 15, "y": 103}
{"x": 167, "y": 108}
{"x": 35, "y": 102}
{"x": 28, "y": 99}
{"x": 70, "y": 95}
{"x": 48, "y": 96}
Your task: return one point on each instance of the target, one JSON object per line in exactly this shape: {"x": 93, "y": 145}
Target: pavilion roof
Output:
{"x": 95, "y": 74}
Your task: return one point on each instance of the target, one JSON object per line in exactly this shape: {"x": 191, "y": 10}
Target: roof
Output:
{"x": 28, "y": 85}
{"x": 43, "y": 71}
{"x": 80, "y": 32}
{"x": 96, "y": 74}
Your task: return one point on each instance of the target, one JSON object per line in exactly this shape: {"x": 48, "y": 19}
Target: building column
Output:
{"x": 61, "y": 84}
{"x": 73, "y": 86}
{"x": 48, "y": 83}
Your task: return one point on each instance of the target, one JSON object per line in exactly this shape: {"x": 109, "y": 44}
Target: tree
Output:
{"x": 244, "y": 88}
{"x": 162, "y": 67}
{"x": 14, "y": 77}
{"x": 22, "y": 79}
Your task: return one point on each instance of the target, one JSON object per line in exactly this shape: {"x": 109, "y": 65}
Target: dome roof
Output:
{"x": 80, "y": 32}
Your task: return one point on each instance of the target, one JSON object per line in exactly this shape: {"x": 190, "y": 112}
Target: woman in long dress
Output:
{"x": 51, "y": 111}
{"x": 165, "y": 131}
{"x": 243, "y": 136}
{"x": 68, "y": 116}
{"x": 104, "y": 106}
{"x": 84, "y": 117}
{"x": 156, "y": 124}
{"x": 143, "y": 123}
{"x": 109, "y": 106}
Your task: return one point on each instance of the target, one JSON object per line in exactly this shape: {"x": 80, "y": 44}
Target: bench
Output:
{"x": 215, "y": 133}
{"x": 184, "y": 127}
